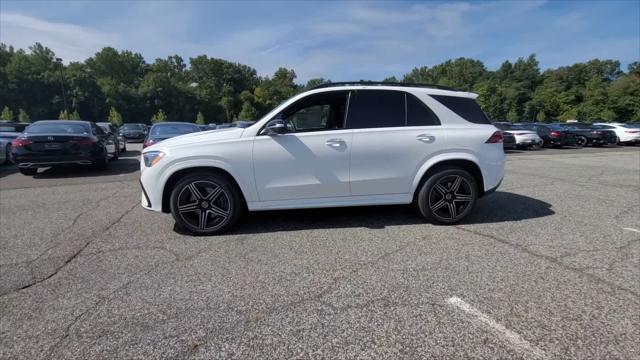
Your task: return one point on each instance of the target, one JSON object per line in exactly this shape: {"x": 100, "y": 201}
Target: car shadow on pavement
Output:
{"x": 495, "y": 208}
{"x": 120, "y": 166}
{"x": 7, "y": 169}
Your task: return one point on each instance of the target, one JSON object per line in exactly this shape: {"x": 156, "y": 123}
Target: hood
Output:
{"x": 198, "y": 137}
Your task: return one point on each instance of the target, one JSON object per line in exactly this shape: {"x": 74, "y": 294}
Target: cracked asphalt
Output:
{"x": 85, "y": 272}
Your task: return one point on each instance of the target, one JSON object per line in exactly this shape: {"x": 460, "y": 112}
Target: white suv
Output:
{"x": 341, "y": 144}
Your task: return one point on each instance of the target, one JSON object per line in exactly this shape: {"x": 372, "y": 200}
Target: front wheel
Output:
{"x": 448, "y": 196}
{"x": 205, "y": 203}
{"x": 581, "y": 141}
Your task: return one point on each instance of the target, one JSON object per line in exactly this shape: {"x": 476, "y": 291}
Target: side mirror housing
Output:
{"x": 276, "y": 127}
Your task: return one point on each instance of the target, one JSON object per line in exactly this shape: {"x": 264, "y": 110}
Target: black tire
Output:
{"x": 218, "y": 198}
{"x": 581, "y": 141}
{"x": 28, "y": 171}
{"x": 7, "y": 154}
{"x": 117, "y": 153}
{"x": 441, "y": 195}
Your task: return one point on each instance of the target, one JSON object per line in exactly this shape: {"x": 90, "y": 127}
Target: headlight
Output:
{"x": 152, "y": 157}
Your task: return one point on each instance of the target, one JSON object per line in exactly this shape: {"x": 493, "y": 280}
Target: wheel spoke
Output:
{"x": 438, "y": 205}
{"x": 194, "y": 191}
{"x": 187, "y": 208}
{"x": 441, "y": 189}
{"x": 452, "y": 210}
{"x": 213, "y": 195}
{"x": 204, "y": 215}
{"x": 219, "y": 211}
{"x": 462, "y": 198}
{"x": 456, "y": 184}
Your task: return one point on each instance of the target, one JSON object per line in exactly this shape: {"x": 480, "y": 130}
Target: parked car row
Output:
{"x": 536, "y": 135}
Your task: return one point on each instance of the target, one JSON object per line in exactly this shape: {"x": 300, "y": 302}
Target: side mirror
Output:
{"x": 275, "y": 127}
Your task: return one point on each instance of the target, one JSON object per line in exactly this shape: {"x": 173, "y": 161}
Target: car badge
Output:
{"x": 50, "y": 138}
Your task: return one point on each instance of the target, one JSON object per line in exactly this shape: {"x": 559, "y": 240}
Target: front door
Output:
{"x": 311, "y": 160}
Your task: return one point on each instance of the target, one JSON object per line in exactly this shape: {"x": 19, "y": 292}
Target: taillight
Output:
{"x": 555, "y": 134}
{"x": 20, "y": 142}
{"x": 495, "y": 138}
{"x": 148, "y": 142}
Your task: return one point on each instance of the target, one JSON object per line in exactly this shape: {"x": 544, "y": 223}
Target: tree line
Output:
{"x": 120, "y": 86}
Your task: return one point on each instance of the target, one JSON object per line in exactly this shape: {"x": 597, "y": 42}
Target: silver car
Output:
{"x": 9, "y": 131}
{"x": 525, "y": 138}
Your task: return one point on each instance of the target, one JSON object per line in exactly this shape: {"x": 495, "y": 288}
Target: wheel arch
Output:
{"x": 463, "y": 162}
{"x": 179, "y": 174}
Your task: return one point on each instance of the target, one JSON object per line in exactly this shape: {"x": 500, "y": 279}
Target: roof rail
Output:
{"x": 382, "y": 83}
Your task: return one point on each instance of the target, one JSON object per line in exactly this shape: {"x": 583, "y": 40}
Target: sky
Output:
{"x": 334, "y": 40}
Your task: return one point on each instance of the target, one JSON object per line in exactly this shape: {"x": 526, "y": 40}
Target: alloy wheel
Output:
{"x": 204, "y": 205}
{"x": 581, "y": 141}
{"x": 450, "y": 196}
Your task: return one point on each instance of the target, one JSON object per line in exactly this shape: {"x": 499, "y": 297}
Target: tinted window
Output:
{"x": 418, "y": 114}
{"x": 376, "y": 108}
{"x": 12, "y": 127}
{"x": 133, "y": 127}
{"x": 60, "y": 128}
{"x": 466, "y": 108}
{"x": 173, "y": 129}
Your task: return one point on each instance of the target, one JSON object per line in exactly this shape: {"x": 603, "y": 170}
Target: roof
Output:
{"x": 411, "y": 87}
{"x": 382, "y": 83}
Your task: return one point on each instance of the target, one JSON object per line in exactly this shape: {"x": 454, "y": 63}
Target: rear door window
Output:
{"x": 376, "y": 109}
{"x": 466, "y": 108}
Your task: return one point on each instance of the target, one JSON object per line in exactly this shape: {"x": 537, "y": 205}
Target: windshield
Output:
{"x": 173, "y": 129}
{"x": 53, "y": 128}
{"x": 133, "y": 127}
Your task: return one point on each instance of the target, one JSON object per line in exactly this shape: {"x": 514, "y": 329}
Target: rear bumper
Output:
{"x": 26, "y": 161}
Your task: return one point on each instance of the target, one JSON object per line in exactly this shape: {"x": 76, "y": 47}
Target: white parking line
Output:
{"x": 511, "y": 337}
{"x": 632, "y": 229}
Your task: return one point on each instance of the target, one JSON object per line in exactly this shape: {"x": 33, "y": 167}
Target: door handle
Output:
{"x": 426, "y": 138}
{"x": 335, "y": 143}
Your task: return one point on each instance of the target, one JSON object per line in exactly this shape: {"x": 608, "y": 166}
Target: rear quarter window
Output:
{"x": 466, "y": 108}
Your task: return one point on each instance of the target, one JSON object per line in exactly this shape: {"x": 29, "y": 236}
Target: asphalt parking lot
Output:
{"x": 547, "y": 267}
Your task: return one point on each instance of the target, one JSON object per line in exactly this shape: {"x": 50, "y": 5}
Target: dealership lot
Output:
{"x": 547, "y": 267}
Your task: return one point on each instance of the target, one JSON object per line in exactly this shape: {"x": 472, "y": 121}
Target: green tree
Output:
{"x": 7, "y": 114}
{"x": 200, "y": 118}
{"x": 248, "y": 112}
{"x": 64, "y": 115}
{"x": 75, "y": 115}
{"x": 23, "y": 117}
{"x": 114, "y": 117}
{"x": 160, "y": 116}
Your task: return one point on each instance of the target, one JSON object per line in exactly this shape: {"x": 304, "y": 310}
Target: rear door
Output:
{"x": 394, "y": 133}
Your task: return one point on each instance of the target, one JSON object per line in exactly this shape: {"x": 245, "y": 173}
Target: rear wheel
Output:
{"x": 28, "y": 171}
{"x": 205, "y": 203}
{"x": 581, "y": 141}
{"x": 448, "y": 196}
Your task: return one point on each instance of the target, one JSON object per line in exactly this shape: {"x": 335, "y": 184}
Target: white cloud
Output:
{"x": 70, "y": 42}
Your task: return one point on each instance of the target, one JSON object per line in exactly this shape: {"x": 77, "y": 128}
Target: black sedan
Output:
{"x": 52, "y": 143}
{"x": 134, "y": 132}
{"x": 166, "y": 130}
{"x": 552, "y": 135}
{"x": 587, "y": 134}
